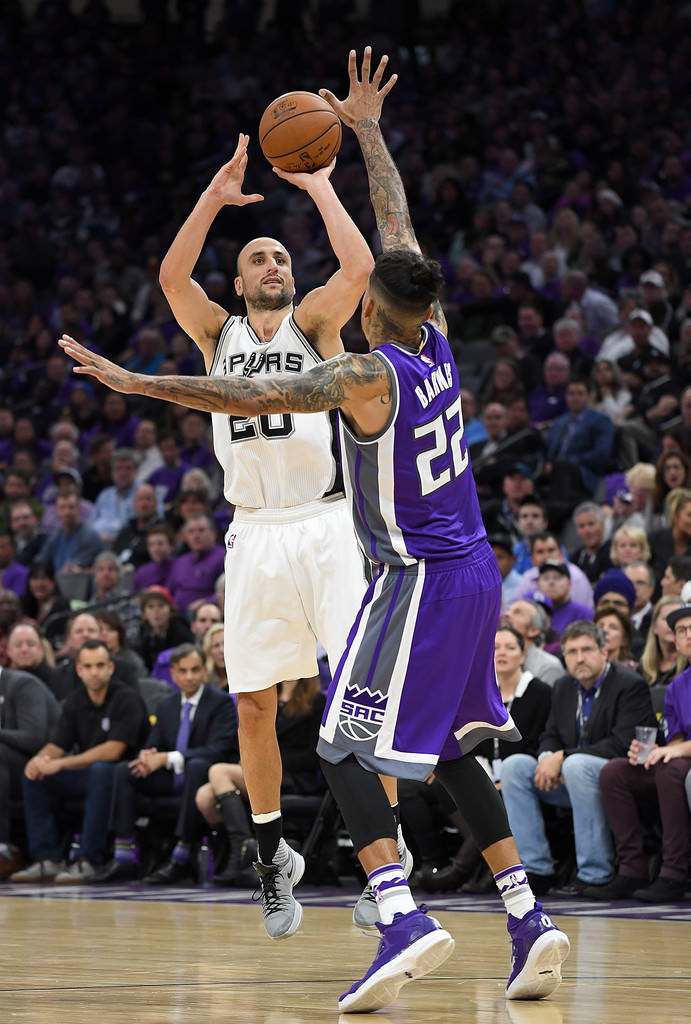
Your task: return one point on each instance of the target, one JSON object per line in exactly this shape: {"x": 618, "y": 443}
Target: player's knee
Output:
{"x": 255, "y": 713}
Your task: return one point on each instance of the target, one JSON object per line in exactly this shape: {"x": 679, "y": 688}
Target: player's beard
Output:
{"x": 264, "y": 301}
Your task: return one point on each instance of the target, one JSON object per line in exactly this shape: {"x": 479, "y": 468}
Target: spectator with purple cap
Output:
{"x": 554, "y": 580}
{"x": 544, "y": 546}
{"x": 615, "y": 587}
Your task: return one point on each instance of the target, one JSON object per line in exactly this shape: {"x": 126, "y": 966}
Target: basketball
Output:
{"x": 299, "y": 131}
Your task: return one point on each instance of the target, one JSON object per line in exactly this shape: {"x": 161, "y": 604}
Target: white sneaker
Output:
{"x": 39, "y": 871}
{"x": 365, "y": 911}
{"x": 77, "y": 872}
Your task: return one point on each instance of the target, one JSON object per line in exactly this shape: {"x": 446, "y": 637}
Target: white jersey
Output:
{"x": 279, "y": 460}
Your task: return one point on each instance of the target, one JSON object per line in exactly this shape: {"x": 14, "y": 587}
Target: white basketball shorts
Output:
{"x": 293, "y": 576}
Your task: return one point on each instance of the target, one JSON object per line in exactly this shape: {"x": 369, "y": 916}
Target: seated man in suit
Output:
{"x": 28, "y": 712}
{"x": 98, "y": 726}
{"x": 195, "y": 727}
{"x": 596, "y": 706}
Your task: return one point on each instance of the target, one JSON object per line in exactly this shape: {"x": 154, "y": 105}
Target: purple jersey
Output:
{"x": 411, "y": 492}
{"x": 677, "y": 707}
{"x": 416, "y": 682}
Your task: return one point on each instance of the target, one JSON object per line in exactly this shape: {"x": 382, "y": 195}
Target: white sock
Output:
{"x": 401, "y": 846}
{"x": 391, "y": 892}
{"x": 515, "y": 891}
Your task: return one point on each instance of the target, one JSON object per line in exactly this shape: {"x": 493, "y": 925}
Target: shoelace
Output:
{"x": 266, "y": 890}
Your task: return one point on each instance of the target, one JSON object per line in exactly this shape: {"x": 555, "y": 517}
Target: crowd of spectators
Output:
{"x": 549, "y": 173}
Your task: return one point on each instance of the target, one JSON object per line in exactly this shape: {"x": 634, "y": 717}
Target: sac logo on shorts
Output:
{"x": 361, "y": 714}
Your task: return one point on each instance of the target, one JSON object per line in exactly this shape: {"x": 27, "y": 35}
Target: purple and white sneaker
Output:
{"x": 538, "y": 951}
{"x": 410, "y": 947}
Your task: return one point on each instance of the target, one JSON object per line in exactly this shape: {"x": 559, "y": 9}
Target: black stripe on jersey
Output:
{"x": 253, "y": 334}
{"x": 337, "y": 486}
{"x": 304, "y": 340}
{"x": 219, "y": 345}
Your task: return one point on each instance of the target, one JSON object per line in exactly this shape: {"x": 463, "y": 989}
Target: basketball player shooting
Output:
{"x": 418, "y": 669}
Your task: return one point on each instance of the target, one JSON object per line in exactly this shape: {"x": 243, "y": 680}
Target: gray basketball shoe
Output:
{"x": 282, "y": 912}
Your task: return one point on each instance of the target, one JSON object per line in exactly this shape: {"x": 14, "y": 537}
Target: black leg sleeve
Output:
{"x": 362, "y": 801}
{"x": 477, "y": 798}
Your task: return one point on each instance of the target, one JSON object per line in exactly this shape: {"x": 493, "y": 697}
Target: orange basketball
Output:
{"x": 299, "y": 131}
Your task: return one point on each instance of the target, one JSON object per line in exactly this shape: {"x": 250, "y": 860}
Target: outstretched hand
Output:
{"x": 97, "y": 366}
{"x": 365, "y": 99}
{"x": 228, "y": 181}
{"x": 306, "y": 180}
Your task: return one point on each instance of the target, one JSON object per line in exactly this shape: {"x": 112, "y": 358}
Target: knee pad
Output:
{"x": 362, "y": 801}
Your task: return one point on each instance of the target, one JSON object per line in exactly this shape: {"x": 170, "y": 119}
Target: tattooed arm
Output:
{"x": 361, "y": 111}
{"x": 349, "y": 381}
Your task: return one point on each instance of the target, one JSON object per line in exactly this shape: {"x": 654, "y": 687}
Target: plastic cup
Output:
{"x": 646, "y": 736}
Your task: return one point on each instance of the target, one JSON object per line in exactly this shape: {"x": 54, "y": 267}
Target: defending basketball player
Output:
{"x": 418, "y": 670}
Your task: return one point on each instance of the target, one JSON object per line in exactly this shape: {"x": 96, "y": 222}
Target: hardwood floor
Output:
{"x": 78, "y": 957}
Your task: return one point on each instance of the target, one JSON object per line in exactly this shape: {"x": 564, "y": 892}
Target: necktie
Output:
{"x": 183, "y": 736}
{"x": 181, "y": 741}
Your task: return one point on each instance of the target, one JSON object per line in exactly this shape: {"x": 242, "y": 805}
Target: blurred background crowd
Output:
{"x": 546, "y": 152}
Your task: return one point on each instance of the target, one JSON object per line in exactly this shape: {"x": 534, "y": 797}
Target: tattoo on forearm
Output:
{"x": 386, "y": 189}
{"x": 325, "y": 387}
{"x": 439, "y": 316}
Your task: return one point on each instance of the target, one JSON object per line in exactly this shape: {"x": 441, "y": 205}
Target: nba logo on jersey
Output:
{"x": 361, "y": 714}
{"x": 230, "y": 543}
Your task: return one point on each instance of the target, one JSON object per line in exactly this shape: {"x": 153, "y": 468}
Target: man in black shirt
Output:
{"x": 100, "y": 724}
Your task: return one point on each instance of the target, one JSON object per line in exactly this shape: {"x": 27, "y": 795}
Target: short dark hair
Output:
{"x": 93, "y": 645}
{"x": 583, "y": 627}
{"x": 182, "y": 651}
{"x": 161, "y": 528}
{"x": 533, "y": 499}
{"x": 680, "y": 566}
{"x": 541, "y": 535}
{"x": 407, "y": 278}
{"x": 97, "y": 442}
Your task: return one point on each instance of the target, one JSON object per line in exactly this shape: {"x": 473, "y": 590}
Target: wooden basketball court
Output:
{"x": 137, "y": 956}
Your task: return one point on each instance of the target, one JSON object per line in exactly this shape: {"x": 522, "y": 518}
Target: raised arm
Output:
{"x": 346, "y": 381}
{"x": 198, "y": 316}
{"x": 325, "y": 310}
{"x": 361, "y": 111}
